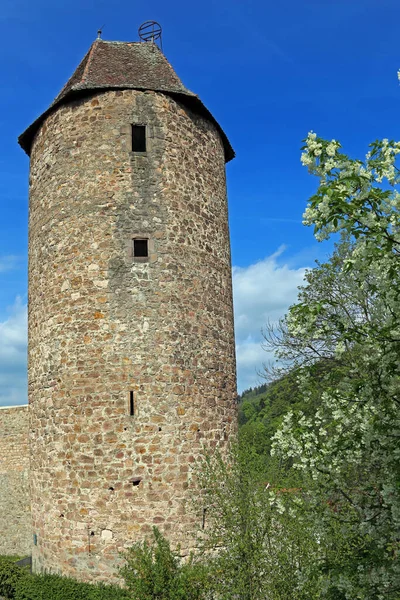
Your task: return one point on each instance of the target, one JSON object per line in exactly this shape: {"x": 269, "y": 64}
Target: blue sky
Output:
{"x": 269, "y": 71}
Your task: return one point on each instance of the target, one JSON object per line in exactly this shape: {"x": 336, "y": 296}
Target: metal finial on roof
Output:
{"x": 150, "y": 31}
{"x": 99, "y": 32}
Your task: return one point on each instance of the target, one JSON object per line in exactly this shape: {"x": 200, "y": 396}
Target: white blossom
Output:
{"x": 351, "y": 313}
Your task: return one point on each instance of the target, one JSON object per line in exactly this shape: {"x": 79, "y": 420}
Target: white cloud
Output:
{"x": 13, "y": 344}
{"x": 262, "y": 292}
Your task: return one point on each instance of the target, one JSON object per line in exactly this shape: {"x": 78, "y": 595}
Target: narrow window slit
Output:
{"x": 203, "y": 524}
{"x": 131, "y": 404}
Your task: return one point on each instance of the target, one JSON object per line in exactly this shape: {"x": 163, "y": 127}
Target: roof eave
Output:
{"x": 26, "y": 139}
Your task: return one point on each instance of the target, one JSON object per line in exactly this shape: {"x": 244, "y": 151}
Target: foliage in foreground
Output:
{"x": 54, "y": 587}
{"x": 348, "y": 315}
{"x": 17, "y": 583}
{"x": 258, "y": 547}
{"x": 153, "y": 572}
{"x": 340, "y": 383}
{"x": 10, "y": 574}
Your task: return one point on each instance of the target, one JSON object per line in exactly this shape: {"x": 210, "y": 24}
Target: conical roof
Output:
{"x": 124, "y": 65}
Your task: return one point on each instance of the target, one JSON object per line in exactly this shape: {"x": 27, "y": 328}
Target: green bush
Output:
{"x": 108, "y": 592}
{"x": 55, "y": 587}
{"x": 10, "y": 574}
{"x": 153, "y": 572}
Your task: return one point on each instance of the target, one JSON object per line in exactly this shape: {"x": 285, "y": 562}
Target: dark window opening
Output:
{"x": 138, "y": 138}
{"x": 140, "y": 248}
{"x": 136, "y": 481}
{"x": 203, "y": 524}
{"x": 131, "y": 404}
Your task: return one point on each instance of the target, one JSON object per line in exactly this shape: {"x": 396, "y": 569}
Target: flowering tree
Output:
{"x": 257, "y": 547}
{"x": 348, "y": 317}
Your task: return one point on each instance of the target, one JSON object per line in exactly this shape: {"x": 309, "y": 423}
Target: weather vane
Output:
{"x": 150, "y": 31}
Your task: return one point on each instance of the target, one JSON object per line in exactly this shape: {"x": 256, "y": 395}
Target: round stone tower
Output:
{"x": 131, "y": 345}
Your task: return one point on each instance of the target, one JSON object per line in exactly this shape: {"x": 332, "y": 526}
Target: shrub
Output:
{"x": 10, "y": 574}
{"x": 154, "y": 572}
{"x": 108, "y": 592}
{"x": 55, "y": 587}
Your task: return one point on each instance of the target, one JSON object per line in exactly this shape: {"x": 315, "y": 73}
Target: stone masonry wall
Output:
{"x": 15, "y": 519}
{"x": 103, "y": 325}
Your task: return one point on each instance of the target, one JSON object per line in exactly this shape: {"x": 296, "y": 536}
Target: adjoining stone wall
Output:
{"x": 103, "y": 325}
{"x": 15, "y": 518}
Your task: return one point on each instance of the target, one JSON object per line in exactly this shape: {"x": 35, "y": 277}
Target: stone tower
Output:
{"x": 131, "y": 346}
